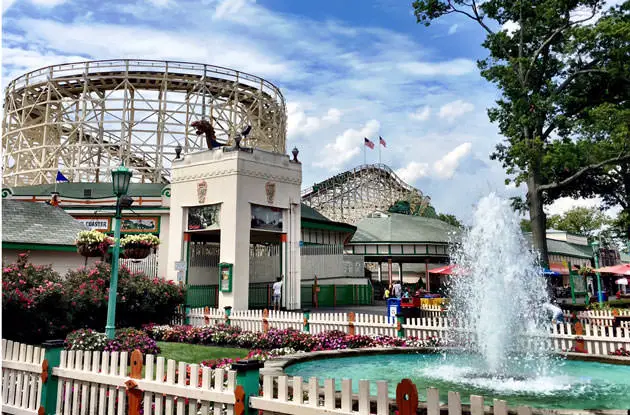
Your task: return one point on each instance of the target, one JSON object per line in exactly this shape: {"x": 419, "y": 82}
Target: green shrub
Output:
{"x": 39, "y": 305}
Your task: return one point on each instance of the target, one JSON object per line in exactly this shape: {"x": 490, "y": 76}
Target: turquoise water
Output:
{"x": 568, "y": 384}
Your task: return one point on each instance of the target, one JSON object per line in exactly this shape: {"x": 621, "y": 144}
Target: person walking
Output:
{"x": 277, "y": 293}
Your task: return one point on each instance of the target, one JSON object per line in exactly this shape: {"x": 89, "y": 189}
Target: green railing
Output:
{"x": 260, "y": 295}
{"x": 202, "y": 296}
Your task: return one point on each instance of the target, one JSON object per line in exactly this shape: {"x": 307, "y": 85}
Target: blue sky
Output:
{"x": 347, "y": 68}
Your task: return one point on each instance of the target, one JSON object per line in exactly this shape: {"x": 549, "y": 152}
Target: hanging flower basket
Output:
{"x": 90, "y": 251}
{"x": 136, "y": 251}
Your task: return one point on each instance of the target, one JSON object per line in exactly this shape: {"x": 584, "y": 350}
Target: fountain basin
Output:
{"x": 571, "y": 384}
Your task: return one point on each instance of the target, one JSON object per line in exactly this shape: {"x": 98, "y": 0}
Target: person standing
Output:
{"x": 397, "y": 290}
{"x": 277, "y": 293}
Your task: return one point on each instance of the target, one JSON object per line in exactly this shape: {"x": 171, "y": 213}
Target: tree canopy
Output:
{"x": 557, "y": 73}
{"x": 585, "y": 221}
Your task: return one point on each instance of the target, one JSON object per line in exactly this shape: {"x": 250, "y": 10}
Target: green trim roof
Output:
{"x": 565, "y": 248}
{"x": 37, "y": 223}
{"x": 399, "y": 228}
{"x": 99, "y": 190}
{"x": 312, "y": 219}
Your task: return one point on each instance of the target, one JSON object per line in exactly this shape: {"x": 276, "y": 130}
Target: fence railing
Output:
{"x": 585, "y": 338}
{"x": 48, "y": 380}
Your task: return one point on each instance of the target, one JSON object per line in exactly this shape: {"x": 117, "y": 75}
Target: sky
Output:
{"x": 348, "y": 69}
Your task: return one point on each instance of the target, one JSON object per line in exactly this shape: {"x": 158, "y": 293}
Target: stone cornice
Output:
{"x": 233, "y": 171}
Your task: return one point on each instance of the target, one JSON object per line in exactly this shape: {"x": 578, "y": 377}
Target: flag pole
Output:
{"x": 379, "y": 150}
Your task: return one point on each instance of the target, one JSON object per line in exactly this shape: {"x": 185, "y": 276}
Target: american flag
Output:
{"x": 382, "y": 141}
{"x": 369, "y": 143}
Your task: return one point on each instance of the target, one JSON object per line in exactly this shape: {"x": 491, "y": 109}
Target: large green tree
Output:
{"x": 585, "y": 221}
{"x": 560, "y": 63}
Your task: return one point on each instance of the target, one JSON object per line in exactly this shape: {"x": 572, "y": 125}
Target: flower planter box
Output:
{"x": 90, "y": 251}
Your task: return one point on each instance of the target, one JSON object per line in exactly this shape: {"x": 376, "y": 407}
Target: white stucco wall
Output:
{"x": 61, "y": 261}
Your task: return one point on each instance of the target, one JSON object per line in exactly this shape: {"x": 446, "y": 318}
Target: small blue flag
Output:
{"x": 61, "y": 177}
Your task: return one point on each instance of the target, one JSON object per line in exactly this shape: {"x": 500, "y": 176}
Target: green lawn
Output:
{"x": 194, "y": 353}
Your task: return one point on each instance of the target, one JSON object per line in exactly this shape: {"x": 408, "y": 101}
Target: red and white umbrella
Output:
{"x": 620, "y": 269}
{"x": 622, "y": 281}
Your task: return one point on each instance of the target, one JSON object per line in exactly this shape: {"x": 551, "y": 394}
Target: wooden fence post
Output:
{"x": 400, "y": 320}
{"x": 265, "y": 320}
{"x": 52, "y": 358}
{"x": 407, "y": 397}
{"x": 307, "y": 316}
{"x": 206, "y": 315}
{"x": 134, "y": 395}
{"x": 247, "y": 380}
{"x": 579, "y": 341}
{"x": 351, "y": 320}
{"x": 228, "y": 311}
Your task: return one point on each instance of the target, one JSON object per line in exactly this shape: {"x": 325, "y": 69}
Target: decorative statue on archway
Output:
{"x": 204, "y": 127}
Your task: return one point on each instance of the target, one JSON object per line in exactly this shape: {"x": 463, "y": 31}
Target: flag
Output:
{"x": 61, "y": 177}
{"x": 368, "y": 143}
{"x": 381, "y": 141}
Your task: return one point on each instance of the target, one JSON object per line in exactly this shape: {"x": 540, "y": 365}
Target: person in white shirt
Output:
{"x": 277, "y": 293}
{"x": 555, "y": 311}
{"x": 397, "y": 290}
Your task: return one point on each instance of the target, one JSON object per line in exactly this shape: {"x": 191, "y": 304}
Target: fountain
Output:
{"x": 497, "y": 298}
{"x": 498, "y": 293}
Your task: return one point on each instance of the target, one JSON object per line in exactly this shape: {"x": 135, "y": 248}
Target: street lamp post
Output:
{"x": 600, "y": 295}
{"x": 120, "y": 182}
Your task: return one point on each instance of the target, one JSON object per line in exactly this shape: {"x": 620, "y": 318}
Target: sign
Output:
{"x": 96, "y": 224}
{"x": 180, "y": 265}
{"x": 140, "y": 224}
{"x": 301, "y": 244}
{"x": 266, "y": 218}
{"x": 180, "y": 276}
{"x": 203, "y": 218}
{"x": 225, "y": 277}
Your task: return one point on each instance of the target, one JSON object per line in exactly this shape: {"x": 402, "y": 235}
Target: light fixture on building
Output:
{"x": 295, "y": 153}
{"x": 178, "y": 151}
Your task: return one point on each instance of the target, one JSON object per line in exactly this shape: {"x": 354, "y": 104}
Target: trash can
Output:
{"x": 393, "y": 308}
{"x": 604, "y": 295}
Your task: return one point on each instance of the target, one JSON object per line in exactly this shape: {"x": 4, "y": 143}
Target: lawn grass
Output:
{"x": 194, "y": 353}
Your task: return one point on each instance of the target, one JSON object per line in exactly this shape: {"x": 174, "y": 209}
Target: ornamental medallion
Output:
{"x": 270, "y": 189}
{"x": 202, "y": 189}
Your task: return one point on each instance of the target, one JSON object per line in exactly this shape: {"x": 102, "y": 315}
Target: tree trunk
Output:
{"x": 537, "y": 216}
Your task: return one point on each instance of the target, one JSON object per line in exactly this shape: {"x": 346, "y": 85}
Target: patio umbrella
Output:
{"x": 447, "y": 270}
{"x": 622, "y": 281}
{"x": 620, "y": 269}
{"x": 549, "y": 273}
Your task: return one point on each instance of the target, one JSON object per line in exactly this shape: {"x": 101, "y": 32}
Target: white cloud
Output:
{"x": 456, "y": 67}
{"x": 422, "y": 114}
{"x": 413, "y": 171}
{"x": 161, "y": 3}
{"x": 510, "y": 27}
{"x": 6, "y": 4}
{"x": 445, "y": 167}
{"x": 455, "y": 109}
{"x": 347, "y": 145}
{"x": 298, "y": 123}
{"x": 230, "y": 7}
{"x": 453, "y": 29}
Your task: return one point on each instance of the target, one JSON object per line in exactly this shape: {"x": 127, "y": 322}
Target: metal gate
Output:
{"x": 264, "y": 262}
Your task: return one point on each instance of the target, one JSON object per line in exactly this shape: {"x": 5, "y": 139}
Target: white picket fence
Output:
{"x": 600, "y": 317}
{"x": 21, "y": 380}
{"x": 98, "y": 383}
{"x": 598, "y": 340}
{"x": 291, "y": 395}
{"x": 94, "y": 383}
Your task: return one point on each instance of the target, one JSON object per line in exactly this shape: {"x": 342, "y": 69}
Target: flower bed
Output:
{"x": 276, "y": 342}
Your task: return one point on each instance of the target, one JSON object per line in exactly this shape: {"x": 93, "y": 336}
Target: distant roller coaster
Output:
{"x": 88, "y": 117}
{"x": 352, "y": 195}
